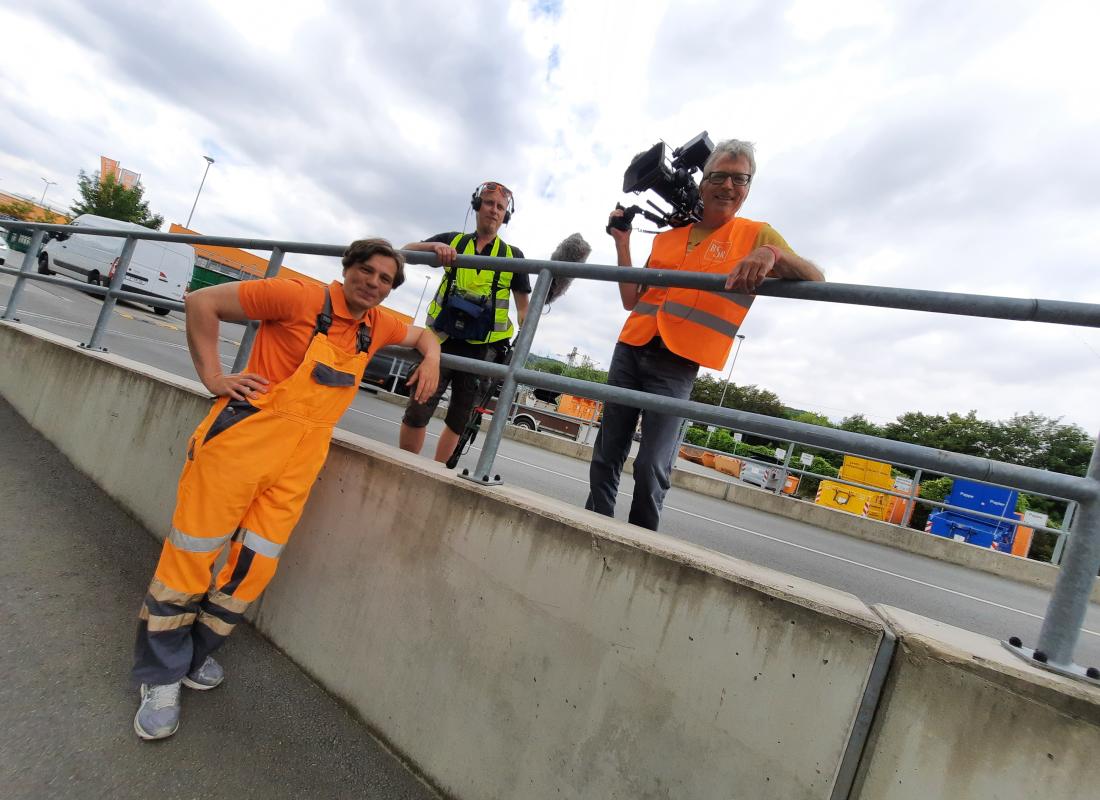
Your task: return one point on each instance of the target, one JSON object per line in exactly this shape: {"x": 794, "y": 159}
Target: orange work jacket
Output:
{"x": 695, "y": 324}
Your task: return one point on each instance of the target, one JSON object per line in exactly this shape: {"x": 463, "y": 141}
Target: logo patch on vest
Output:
{"x": 717, "y": 251}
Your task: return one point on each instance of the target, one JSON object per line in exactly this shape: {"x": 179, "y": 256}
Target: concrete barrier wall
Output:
{"x": 522, "y": 650}
{"x": 961, "y": 717}
{"x": 1035, "y": 573}
{"x": 505, "y": 646}
{"x": 123, "y": 424}
{"x": 509, "y": 647}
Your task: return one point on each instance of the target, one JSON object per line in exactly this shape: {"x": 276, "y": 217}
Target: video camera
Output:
{"x": 670, "y": 179}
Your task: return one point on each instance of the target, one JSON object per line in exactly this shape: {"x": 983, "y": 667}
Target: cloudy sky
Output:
{"x": 930, "y": 145}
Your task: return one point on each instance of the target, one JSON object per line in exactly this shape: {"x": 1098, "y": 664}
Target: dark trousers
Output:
{"x": 648, "y": 368}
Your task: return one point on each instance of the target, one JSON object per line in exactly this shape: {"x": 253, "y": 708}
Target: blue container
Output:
{"x": 978, "y": 531}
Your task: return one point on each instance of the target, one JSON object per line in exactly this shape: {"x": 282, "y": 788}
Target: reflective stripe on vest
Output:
{"x": 695, "y": 324}
{"x": 479, "y": 283}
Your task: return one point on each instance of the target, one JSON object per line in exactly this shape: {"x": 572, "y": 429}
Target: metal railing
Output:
{"x": 1065, "y": 612}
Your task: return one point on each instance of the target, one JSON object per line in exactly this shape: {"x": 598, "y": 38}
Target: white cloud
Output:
{"x": 945, "y": 147}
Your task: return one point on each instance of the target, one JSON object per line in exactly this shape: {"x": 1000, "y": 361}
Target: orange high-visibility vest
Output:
{"x": 695, "y": 324}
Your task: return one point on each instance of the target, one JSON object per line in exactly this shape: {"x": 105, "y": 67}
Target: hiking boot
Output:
{"x": 207, "y": 676}
{"x": 158, "y": 716}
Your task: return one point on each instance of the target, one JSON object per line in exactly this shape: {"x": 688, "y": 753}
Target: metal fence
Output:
{"x": 1069, "y": 601}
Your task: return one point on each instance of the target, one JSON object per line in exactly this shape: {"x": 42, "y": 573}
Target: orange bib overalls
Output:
{"x": 249, "y": 470}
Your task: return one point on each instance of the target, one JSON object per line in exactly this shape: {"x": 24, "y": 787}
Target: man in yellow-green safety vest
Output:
{"x": 469, "y": 313}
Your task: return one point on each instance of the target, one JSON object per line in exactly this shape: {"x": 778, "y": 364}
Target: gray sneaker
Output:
{"x": 158, "y": 716}
{"x": 207, "y": 676}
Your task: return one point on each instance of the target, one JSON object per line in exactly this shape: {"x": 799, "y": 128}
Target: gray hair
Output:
{"x": 732, "y": 148}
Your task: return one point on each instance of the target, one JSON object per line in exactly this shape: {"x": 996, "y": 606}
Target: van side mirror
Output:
{"x": 61, "y": 237}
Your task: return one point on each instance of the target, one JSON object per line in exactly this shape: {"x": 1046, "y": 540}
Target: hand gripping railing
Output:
{"x": 1066, "y": 610}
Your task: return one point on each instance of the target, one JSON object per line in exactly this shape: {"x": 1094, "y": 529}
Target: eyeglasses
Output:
{"x": 719, "y": 178}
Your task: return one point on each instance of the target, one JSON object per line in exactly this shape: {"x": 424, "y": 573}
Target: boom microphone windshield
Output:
{"x": 575, "y": 249}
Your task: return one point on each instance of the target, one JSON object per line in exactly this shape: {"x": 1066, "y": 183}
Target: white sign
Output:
{"x": 711, "y": 429}
{"x": 807, "y": 459}
{"x": 780, "y": 454}
{"x": 903, "y": 484}
{"x": 736, "y": 437}
{"x": 1035, "y": 519}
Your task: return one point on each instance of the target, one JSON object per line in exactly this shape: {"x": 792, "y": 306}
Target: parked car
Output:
{"x": 4, "y": 251}
{"x": 158, "y": 269}
{"x": 389, "y": 368}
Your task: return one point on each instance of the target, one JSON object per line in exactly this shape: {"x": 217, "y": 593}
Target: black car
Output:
{"x": 389, "y": 368}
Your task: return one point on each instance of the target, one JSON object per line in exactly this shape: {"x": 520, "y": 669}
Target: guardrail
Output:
{"x": 1066, "y": 610}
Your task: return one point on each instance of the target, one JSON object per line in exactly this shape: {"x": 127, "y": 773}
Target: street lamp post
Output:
{"x": 209, "y": 161}
{"x": 721, "y": 401}
{"x": 45, "y": 189}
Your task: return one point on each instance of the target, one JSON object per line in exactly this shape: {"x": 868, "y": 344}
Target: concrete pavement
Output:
{"x": 73, "y": 572}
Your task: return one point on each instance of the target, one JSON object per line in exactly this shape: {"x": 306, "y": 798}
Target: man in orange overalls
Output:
{"x": 252, "y": 461}
{"x": 671, "y": 332}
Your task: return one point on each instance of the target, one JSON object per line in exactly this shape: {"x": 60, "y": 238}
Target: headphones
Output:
{"x": 493, "y": 186}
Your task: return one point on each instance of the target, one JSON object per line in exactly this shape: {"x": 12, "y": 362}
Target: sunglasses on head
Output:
{"x": 493, "y": 186}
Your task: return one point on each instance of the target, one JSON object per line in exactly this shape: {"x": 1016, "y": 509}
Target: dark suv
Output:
{"x": 389, "y": 368}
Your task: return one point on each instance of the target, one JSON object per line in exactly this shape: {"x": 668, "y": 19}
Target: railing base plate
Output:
{"x": 487, "y": 480}
{"x": 1089, "y": 675}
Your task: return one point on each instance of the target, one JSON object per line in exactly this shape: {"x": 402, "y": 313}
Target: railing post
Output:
{"x": 1065, "y": 613}
{"x": 911, "y": 500}
{"x": 786, "y": 466}
{"x": 29, "y": 260}
{"x": 520, "y": 351}
{"x": 244, "y": 350}
{"x": 1060, "y": 543}
{"x": 110, "y": 298}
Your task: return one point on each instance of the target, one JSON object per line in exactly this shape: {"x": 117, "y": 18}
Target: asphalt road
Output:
{"x": 876, "y": 573}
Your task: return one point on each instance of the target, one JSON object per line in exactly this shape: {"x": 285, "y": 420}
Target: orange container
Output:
{"x": 895, "y": 511}
{"x": 580, "y": 407}
{"x": 728, "y": 465}
{"x": 708, "y": 459}
{"x": 1022, "y": 543}
{"x": 691, "y": 454}
{"x": 791, "y": 484}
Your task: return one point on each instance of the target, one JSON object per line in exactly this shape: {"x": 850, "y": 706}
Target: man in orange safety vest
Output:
{"x": 671, "y": 332}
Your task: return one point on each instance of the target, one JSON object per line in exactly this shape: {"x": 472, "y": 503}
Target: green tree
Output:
{"x": 811, "y": 418}
{"x": 586, "y": 371}
{"x": 857, "y": 423}
{"x": 708, "y": 389}
{"x": 110, "y": 198}
{"x": 540, "y": 364}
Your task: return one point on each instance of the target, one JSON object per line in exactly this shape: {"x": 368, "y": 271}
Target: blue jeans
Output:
{"x": 647, "y": 368}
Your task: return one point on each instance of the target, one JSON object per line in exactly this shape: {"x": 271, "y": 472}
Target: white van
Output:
{"x": 158, "y": 269}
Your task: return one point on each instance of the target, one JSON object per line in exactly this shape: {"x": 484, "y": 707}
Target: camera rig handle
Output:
{"x": 624, "y": 222}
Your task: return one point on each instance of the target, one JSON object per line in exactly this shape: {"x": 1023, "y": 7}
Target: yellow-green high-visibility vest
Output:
{"x": 478, "y": 283}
